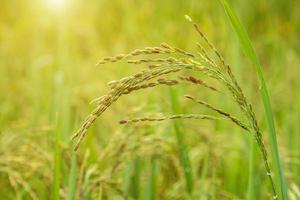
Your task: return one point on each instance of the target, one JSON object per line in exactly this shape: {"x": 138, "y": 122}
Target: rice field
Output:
{"x": 149, "y": 100}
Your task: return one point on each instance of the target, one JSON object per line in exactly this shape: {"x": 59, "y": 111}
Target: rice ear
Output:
{"x": 160, "y": 67}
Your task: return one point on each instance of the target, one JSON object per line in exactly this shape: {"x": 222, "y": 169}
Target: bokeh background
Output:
{"x": 48, "y": 52}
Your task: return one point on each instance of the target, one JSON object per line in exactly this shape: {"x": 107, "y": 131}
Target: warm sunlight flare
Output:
{"x": 56, "y": 4}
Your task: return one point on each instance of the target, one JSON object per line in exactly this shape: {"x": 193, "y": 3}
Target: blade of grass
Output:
{"x": 127, "y": 178}
{"x": 151, "y": 185}
{"x": 203, "y": 176}
{"x": 183, "y": 150}
{"x": 135, "y": 179}
{"x": 86, "y": 183}
{"x": 131, "y": 178}
{"x": 250, "y": 53}
{"x": 213, "y": 186}
{"x": 72, "y": 177}
{"x": 250, "y": 189}
{"x": 100, "y": 193}
{"x": 57, "y": 162}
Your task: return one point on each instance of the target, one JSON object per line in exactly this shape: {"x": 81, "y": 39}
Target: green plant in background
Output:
{"x": 182, "y": 148}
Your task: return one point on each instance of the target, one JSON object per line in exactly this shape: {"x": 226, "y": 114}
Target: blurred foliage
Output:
{"x": 48, "y": 76}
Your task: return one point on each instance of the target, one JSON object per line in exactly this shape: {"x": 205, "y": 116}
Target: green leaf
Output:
{"x": 251, "y": 188}
{"x": 183, "y": 150}
{"x": 57, "y": 161}
{"x": 151, "y": 184}
{"x": 72, "y": 177}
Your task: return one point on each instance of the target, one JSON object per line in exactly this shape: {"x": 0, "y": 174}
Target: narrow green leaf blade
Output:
{"x": 151, "y": 184}
{"x": 183, "y": 149}
{"x": 251, "y": 188}
{"x": 72, "y": 177}
{"x": 135, "y": 179}
{"x": 57, "y": 176}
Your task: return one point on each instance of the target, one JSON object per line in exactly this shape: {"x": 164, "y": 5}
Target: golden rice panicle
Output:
{"x": 203, "y": 36}
{"x": 134, "y": 53}
{"x": 241, "y": 101}
{"x": 171, "y": 117}
{"x": 226, "y": 114}
{"x": 151, "y": 84}
{"x": 198, "y": 82}
{"x": 176, "y": 49}
{"x": 124, "y": 86}
{"x": 218, "y": 54}
{"x": 213, "y": 66}
{"x": 204, "y": 53}
{"x": 154, "y": 60}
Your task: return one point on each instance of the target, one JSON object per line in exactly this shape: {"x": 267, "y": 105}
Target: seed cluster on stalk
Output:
{"x": 207, "y": 62}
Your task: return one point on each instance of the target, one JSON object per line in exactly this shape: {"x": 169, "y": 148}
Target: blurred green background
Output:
{"x": 48, "y": 51}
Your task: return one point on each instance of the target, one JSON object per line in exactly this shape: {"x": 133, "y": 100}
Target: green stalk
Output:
{"x": 57, "y": 162}
{"x": 203, "y": 176}
{"x": 250, "y": 53}
{"x": 132, "y": 175}
{"x": 183, "y": 150}
{"x": 250, "y": 189}
{"x": 72, "y": 177}
{"x": 150, "y": 190}
{"x": 135, "y": 179}
{"x": 213, "y": 195}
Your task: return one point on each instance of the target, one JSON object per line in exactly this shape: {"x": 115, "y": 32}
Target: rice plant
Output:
{"x": 250, "y": 53}
{"x": 167, "y": 61}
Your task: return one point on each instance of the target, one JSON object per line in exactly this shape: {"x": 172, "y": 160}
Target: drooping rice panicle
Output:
{"x": 228, "y": 115}
{"x": 154, "y": 60}
{"x": 136, "y": 52}
{"x": 176, "y": 49}
{"x": 152, "y": 84}
{"x": 198, "y": 82}
{"x": 178, "y": 116}
{"x": 204, "y": 53}
{"x": 115, "y": 93}
{"x": 178, "y": 60}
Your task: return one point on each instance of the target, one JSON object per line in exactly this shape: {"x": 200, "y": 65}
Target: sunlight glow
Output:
{"x": 56, "y": 4}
